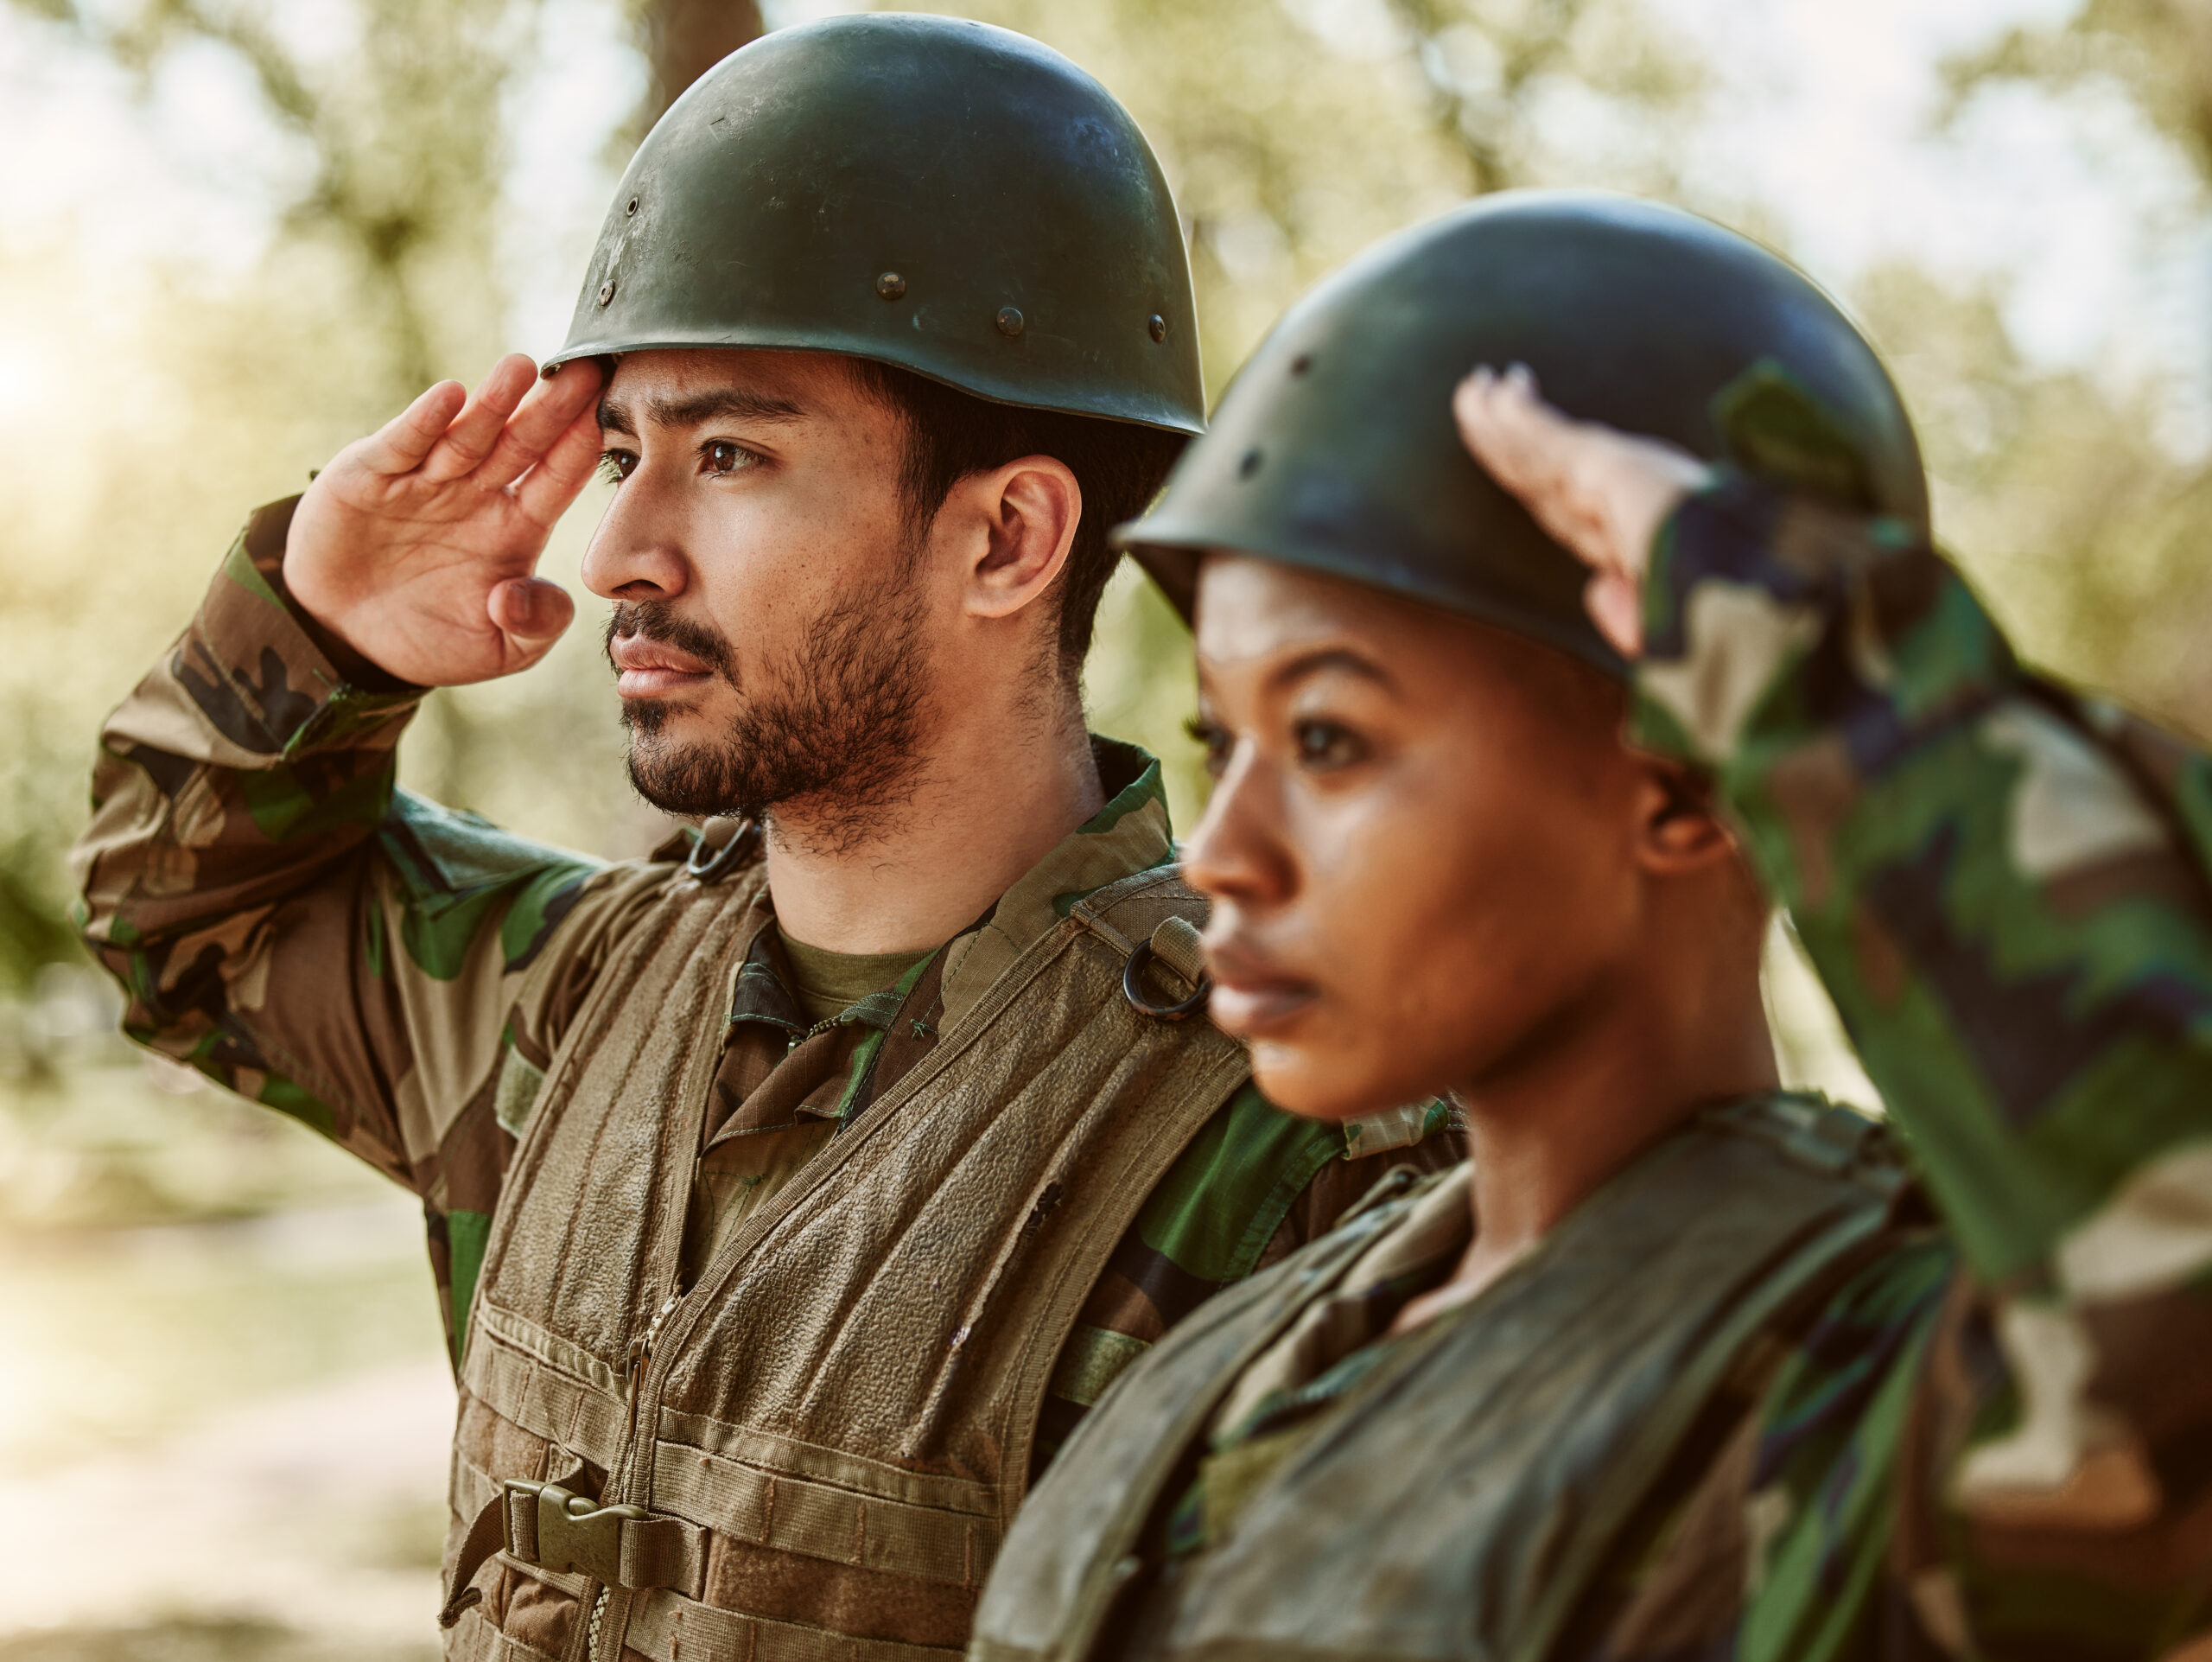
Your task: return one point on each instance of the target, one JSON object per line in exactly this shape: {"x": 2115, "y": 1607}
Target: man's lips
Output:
{"x": 1253, "y": 996}
{"x": 646, "y": 668}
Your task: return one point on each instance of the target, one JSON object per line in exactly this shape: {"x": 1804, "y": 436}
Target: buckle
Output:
{"x": 568, "y": 1532}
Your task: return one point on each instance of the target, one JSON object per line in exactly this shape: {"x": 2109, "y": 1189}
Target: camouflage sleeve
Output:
{"x": 2005, "y": 890}
{"x": 287, "y": 920}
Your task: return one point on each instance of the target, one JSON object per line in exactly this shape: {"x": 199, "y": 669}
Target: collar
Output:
{"x": 764, "y": 989}
{"x": 1130, "y": 834}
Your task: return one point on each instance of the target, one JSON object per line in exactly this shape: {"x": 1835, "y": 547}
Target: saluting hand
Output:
{"x": 418, "y": 545}
{"x": 1601, "y": 493}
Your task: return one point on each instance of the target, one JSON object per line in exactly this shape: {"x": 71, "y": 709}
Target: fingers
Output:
{"x": 545, "y": 415}
{"x": 1537, "y": 453}
{"x": 400, "y": 445}
{"x": 1615, "y": 602}
{"x": 547, "y": 488}
{"x": 473, "y": 434}
{"x": 1513, "y": 432}
{"x": 1599, "y": 493}
{"x": 530, "y": 612}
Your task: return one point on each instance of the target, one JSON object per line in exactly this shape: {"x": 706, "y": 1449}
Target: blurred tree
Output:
{"x": 681, "y": 39}
{"x": 2088, "y": 531}
{"x": 385, "y": 164}
{"x": 2159, "y": 52}
{"x": 401, "y": 125}
{"x": 1490, "y": 63}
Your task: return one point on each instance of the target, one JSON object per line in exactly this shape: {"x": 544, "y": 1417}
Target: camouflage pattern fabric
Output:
{"x": 397, "y": 975}
{"x": 1996, "y": 1443}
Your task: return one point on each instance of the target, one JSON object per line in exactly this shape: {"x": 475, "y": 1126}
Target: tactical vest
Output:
{"x": 1462, "y": 1496}
{"x": 814, "y": 1451}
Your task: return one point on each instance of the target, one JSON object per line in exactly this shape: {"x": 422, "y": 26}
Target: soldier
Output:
{"x": 790, "y": 1196}
{"x": 1679, "y": 1366}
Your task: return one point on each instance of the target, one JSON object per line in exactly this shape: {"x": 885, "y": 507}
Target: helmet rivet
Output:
{"x": 891, "y": 285}
{"x": 1158, "y": 327}
{"x": 606, "y": 291}
{"x": 1300, "y": 364}
{"x": 633, "y": 208}
{"x": 1009, "y": 321}
{"x": 1249, "y": 465}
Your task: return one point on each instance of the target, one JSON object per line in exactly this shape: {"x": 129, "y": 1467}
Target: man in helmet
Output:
{"x": 791, "y": 1194}
{"x": 1678, "y": 1365}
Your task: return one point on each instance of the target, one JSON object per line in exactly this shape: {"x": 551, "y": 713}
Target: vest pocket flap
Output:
{"x": 818, "y": 1520}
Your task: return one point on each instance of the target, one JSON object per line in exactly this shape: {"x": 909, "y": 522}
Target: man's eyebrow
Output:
{"x": 724, "y": 403}
{"x": 1332, "y": 658}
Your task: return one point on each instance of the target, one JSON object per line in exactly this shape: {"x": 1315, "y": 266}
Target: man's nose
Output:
{"x": 635, "y": 553}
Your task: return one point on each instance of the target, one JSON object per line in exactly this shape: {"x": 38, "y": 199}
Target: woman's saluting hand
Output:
{"x": 1601, "y": 493}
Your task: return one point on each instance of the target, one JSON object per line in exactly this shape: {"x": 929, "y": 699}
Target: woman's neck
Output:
{"x": 1545, "y": 1131}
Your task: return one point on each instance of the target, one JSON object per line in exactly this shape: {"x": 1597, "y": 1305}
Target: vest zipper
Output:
{"x": 641, "y": 1354}
{"x": 652, "y": 1358}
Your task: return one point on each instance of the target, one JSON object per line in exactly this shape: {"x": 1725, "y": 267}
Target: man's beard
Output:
{"x": 830, "y": 755}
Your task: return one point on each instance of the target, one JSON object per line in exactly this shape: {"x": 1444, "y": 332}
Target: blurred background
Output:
{"x": 236, "y": 233}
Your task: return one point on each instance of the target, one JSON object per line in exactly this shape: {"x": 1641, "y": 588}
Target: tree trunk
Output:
{"x": 684, "y": 39}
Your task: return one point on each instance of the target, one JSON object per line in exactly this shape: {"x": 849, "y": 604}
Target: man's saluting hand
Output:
{"x": 418, "y": 545}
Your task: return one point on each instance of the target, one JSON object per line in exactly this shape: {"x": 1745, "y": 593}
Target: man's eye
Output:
{"x": 1324, "y": 745}
{"x": 1217, "y": 742}
{"x": 721, "y": 456}
{"x": 615, "y": 465}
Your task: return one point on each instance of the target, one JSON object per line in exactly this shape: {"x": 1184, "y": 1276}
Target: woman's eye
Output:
{"x": 1325, "y": 744}
{"x": 615, "y": 465}
{"x": 1217, "y": 743}
{"x": 723, "y": 457}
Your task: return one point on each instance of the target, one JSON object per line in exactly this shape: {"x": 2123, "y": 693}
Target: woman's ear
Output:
{"x": 1026, "y": 513}
{"x": 1677, "y": 828}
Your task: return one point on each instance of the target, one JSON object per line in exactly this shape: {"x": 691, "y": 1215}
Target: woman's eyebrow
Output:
{"x": 1330, "y": 657}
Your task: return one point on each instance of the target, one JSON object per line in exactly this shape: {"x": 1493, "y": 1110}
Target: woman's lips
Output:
{"x": 645, "y": 669}
{"x": 1251, "y": 997}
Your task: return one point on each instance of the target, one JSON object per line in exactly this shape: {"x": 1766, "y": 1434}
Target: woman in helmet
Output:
{"x": 1680, "y": 1364}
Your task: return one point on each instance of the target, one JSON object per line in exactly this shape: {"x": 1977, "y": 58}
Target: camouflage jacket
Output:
{"x": 1997, "y": 1442}
{"x": 285, "y": 919}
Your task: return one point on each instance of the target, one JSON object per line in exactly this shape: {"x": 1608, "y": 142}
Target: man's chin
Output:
{"x": 694, "y": 780}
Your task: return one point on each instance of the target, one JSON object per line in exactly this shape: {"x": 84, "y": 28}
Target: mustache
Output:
{"x": 656, "y": 619}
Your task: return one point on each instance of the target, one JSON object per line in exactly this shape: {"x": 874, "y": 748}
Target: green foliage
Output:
{"x": 2157, "y": 52}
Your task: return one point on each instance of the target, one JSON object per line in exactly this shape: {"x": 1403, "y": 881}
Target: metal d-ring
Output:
{"x": 1131, "y": 989}
{"x": 720, "y": 862}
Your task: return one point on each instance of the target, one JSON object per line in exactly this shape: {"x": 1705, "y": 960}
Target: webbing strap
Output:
{"x": 666, "y": 1626}
{"x": 483, "y": 1539}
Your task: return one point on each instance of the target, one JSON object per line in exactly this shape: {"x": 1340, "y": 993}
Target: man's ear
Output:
{"x": 1026, "y": 513}
{"x": 1678, "y": 828}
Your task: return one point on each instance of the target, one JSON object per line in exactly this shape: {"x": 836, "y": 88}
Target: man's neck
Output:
{"x": 989, "y": 802}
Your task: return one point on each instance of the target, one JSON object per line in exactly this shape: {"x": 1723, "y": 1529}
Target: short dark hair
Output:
{"x": 951, "y": 435}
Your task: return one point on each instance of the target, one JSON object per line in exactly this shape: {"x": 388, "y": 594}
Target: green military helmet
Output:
{"x": 1335, "y": 447}
{"x": 939, "y": 194}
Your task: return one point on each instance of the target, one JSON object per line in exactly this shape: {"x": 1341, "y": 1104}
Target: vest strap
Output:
{"x": 824, "y": 1520}
{"x": 666, "y": 1626}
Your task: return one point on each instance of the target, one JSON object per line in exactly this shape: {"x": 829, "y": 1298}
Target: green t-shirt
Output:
{"x": 829, "y": 984}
